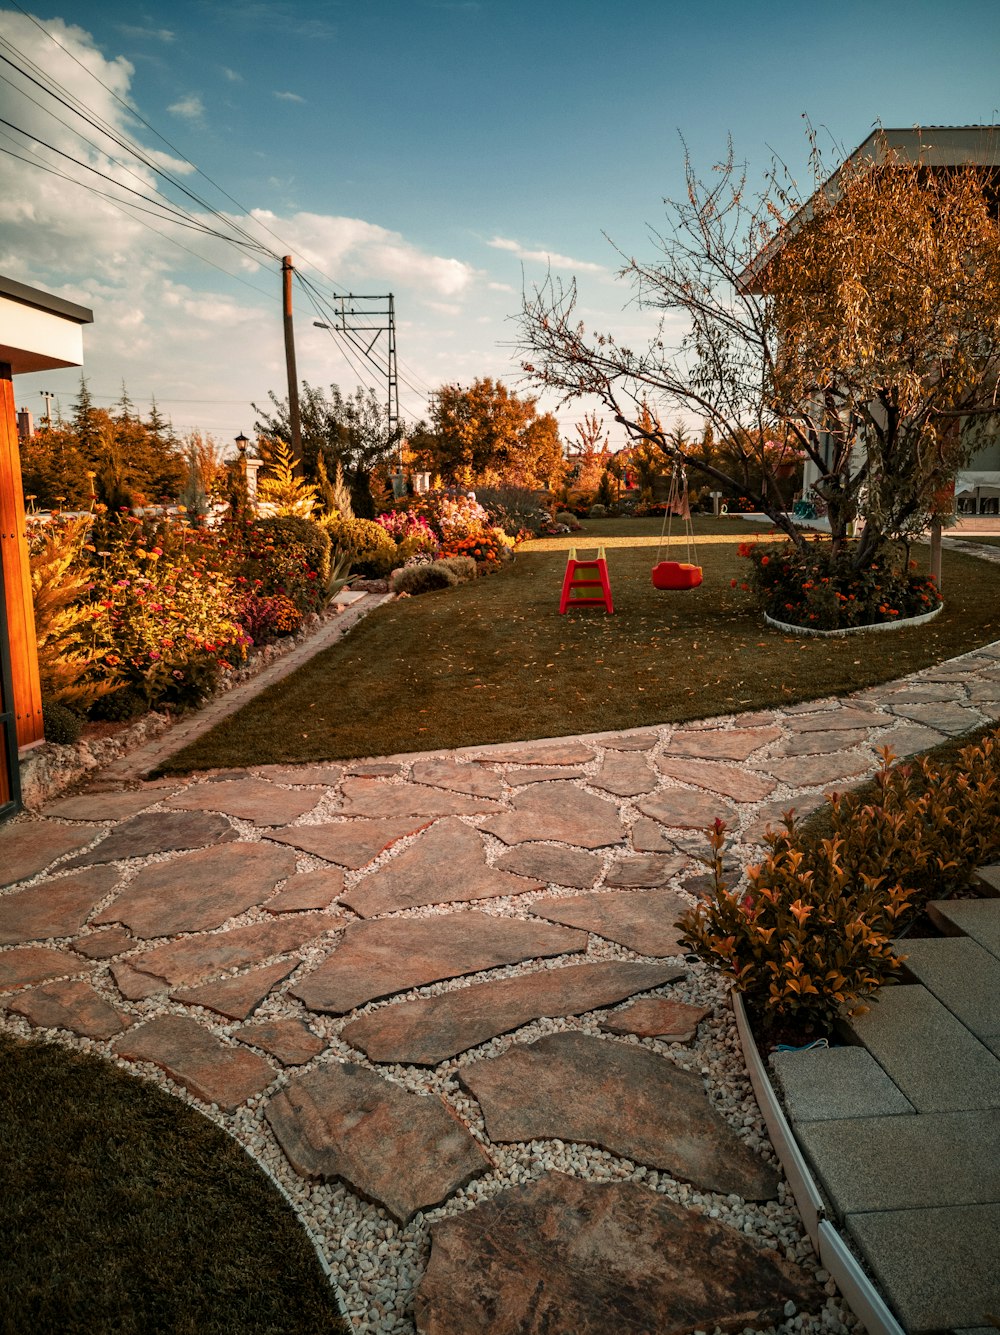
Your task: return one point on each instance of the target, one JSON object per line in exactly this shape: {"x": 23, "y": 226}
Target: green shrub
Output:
{"x": 61, "y": 724}
{"x": 126, "y": 703}
{"x": 375, "y": 552}
{"x": 812, "y": 934}
{"x": 514, "y": 509}
{"x": 423, "y": 579}
{"x": 813, "y": 587}
{"x": 463, "y": 568}
{"x": 569, "y": 520}
{"x": 597, "y": 511}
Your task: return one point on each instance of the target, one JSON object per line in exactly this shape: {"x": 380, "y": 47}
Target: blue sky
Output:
{"x": 445, "y": 150}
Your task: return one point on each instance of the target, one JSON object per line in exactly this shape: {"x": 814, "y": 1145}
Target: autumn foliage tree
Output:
{"x": 857, "y": 327}
{"x": 486, "y": 434}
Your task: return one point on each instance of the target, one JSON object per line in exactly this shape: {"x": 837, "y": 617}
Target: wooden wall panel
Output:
{"x": 17, "y": 575}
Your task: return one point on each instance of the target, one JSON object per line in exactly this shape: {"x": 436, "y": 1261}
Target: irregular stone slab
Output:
{"x": 726, "y": 780}
{"x": 290, "y": 1040}
{"x": 841, "y": 718}
{"x": 656, "y": 1017}
{"x": 820, "y": 743}
{"x": 811, "y": 771}
{"x": 158, "y": 832}
{"x": 643, "y": 921}
{"x": 196, "y": 1059}
{"x": 631, "y": 741}
{"x": 621, "y": 1098}
{"x": 928, "y": 691}
{"x": 650, "y": 837}
{"x": 824, "y": 1083}
{"x": 404, "y": 1151}
{"x": 99, "y": 806}
{"x": 375, "y": 769}
{"x": 951, "y": 719}
{"x": 246, "y": 799}
{"x": 555, "y": 866}
{"x": 28, "y": 847}
{"x": 36, "y": 964}
{"x": 907, "y": 741}
{"x": 199, "y": 890}
{"x": 566, "y": 1255}
{"x": 376, "y": 798}
{"x": 352, "y": 843}
{"x": 772, "y": 814}
{"x": 644, "y": 873}
{"x": 72, "y": 1005}
{"x": 104, "y": 945}
{"x": 719, "y": 745}
{"x": 471, "y": 779}
{"x": 377, "y": 959}
{"x": 57, "y": 907}
{"x": 307, "y": 890}
{"x": 520, "y": 778}
{"x": 569, "y": 752}
{"x": 624, "y": 773}
{"x": 681, "y": 809}
{"x": 558, "y": 811}
{"x": 937, "y": 1267}
{"x": 303, "y": 775}
{"x": 133, "y": 985}
{"x": 192, "y": 959}
{"x": 445, "y": 865}
{"x": 237, "y": 997}
{"x": 428, "y": 1031}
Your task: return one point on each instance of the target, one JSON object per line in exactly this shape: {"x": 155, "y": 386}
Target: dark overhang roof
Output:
{"x": 44, "y": 301}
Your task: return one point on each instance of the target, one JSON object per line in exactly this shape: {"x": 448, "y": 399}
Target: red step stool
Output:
{"x": 571, "y": 583}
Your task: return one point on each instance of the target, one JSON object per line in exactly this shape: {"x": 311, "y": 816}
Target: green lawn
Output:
{"x": 493, "y": 660}
{"x": 125, "y": 1211}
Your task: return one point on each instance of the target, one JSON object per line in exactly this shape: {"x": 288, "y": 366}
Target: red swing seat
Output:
{"x": 676, "y": 575}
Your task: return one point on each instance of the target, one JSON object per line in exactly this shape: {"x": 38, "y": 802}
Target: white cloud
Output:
{"x": 156, "y": 34}
{"x": 547, "y": 257}
{"x": 353, "y": 248}
{"x": 288, "y": 97}
{"x": 191, "y": 108}
{"x": 500, "y": 287}
{"x": 233, "y": 76}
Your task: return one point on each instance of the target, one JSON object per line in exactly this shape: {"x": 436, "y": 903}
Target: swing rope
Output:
{"x": 677, "y": 503}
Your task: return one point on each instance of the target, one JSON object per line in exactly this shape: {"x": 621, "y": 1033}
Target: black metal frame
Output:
{"x": 8, "y": 717}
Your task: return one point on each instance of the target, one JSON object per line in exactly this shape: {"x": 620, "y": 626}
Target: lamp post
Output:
{"x": 250, "y": 465}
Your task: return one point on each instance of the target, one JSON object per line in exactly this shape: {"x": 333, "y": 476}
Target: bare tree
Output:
{"x": 857, "y": 326}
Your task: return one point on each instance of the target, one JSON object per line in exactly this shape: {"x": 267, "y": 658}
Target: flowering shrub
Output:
{"x": 406, "y": 525}
{"x": 161, "y": 617}
{"x": 489, "y": 549}
{"x": 517, "y": 510}
{"x": 281, "y": 555}
{"x": 812, "y": 933}
{"x": 815, "y": 588}
{"x": 452, "y": 516}
{"x": 267, "y": 617}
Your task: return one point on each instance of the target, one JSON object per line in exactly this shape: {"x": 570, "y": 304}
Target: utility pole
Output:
{"x": 293, "y": 380}
{"x": 48, "y": 396}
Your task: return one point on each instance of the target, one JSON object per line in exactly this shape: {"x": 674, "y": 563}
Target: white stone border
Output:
{"x": 855, "y": 630}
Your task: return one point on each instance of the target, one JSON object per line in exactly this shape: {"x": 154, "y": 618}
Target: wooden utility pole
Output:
{"x": 293, "y": 380}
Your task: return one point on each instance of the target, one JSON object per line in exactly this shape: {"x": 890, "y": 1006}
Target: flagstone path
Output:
{"x": 442, "y": 1000}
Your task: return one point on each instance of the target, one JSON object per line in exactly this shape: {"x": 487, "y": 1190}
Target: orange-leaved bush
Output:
{"x": 812, "y": 933}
